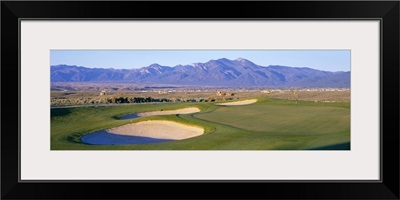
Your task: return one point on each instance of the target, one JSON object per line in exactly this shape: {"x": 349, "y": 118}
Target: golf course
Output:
{"x": 260, "y": 124}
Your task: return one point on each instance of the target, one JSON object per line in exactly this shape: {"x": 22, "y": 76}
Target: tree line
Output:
{"x": 118, "y": 100}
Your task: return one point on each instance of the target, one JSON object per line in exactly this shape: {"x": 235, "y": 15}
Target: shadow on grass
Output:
{"x": 75, "y": 138}
{"x": 342, "y": 146}
{"x": 59, "y": 112}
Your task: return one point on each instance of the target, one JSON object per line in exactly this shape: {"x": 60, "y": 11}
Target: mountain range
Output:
{"x": 220, "y": 72}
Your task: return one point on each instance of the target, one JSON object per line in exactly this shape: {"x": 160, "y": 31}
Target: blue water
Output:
{"x": 105, "y": 138}
{"x": 130, "y": 116}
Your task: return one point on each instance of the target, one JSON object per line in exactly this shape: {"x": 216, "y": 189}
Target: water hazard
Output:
{"x": 130, "y": 116}
{"x": 105, "y": 138}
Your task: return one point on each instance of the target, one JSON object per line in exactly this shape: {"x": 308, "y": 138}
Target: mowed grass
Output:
{"x": 266, "y": 125}
{"x": 282, "y": 119}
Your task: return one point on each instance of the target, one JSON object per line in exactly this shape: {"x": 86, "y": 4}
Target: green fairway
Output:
{"x": 268, "y": 124}
{"x": 282, "y": 119}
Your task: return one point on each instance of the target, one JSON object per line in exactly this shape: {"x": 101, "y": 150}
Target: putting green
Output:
{"x": 282, "y": 119}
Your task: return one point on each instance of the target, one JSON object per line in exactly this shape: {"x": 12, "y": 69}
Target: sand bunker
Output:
{"x": 166, "y": 112}
{"x": 158, "y": 129}
{"x": 238, "y": 103}
{"x": 170, "y": 112}
{"x": 143, "y": 132}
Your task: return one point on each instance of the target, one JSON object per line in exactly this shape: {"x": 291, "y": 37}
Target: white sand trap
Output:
{"x": 159, "y": 129}
{"x": 238, "y": 103}
{"x": 170, "y": 112}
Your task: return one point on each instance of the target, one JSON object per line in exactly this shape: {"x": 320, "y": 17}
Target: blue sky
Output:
{"x": 328, "y": 60}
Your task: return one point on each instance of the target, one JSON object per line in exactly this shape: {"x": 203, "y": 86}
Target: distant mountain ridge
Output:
{"x": 221, "y": 72}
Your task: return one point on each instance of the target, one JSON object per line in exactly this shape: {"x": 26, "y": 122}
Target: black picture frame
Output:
{"x": 386, "y": 11}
